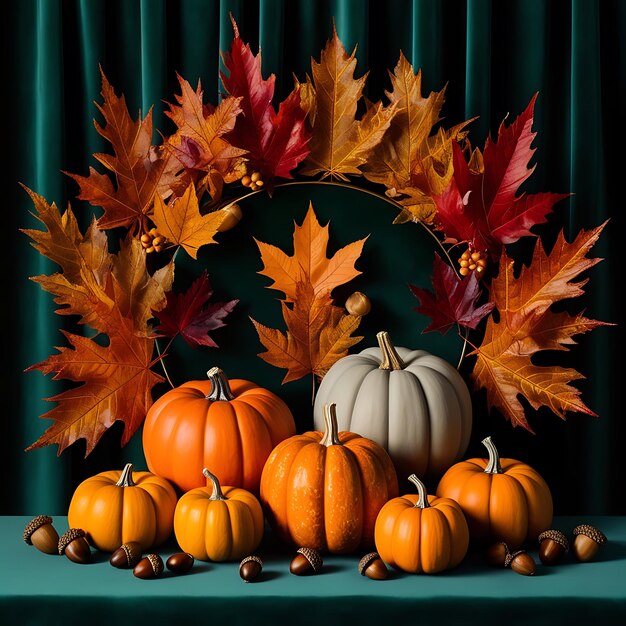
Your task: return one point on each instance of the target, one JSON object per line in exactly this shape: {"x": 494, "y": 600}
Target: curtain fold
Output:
{"x": 493, "y": 55}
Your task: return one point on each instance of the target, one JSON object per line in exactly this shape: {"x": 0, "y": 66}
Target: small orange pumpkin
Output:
{"x": 503, "y": 499}
{"x": 218, "y": 523}
{"x": 324, "y": 490}
{"x": 117, "y": 507}
{"x": 229, "y": 426}
{"x": 419, "y": 533}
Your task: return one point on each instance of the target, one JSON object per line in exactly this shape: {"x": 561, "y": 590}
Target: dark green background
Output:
{"x": 494, "y": 55}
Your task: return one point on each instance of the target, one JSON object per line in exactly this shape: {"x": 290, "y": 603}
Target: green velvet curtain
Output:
{"x": 494, "y": 55}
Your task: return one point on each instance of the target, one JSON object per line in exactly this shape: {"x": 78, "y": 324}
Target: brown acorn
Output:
{"x": 307, "y": 561}
{"x": 553, "y": 545}
{"x": 232, "y": 216}
{"x": 358, "y": 304}
{"x": 150, "y": 566}
{"x": 496, "y": 554}
{"x": 250, "y": 568}
{"x": 587, "y": 541}
{"x": 521, "y": 562}
{"x": 372, "y": 566}
{"x": 74, "y": 545}
{"x": 180, "y": 563}
{"x": 126, "y": 556}
{"x": 40, "y": 532}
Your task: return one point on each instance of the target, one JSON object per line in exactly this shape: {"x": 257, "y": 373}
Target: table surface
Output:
{"x": 36, "y": 588}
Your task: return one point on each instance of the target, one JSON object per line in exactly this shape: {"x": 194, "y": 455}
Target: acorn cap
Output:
{"x": 313, "y": 557}
{"x": 509, "y": 557}
{"x": 157, "y": 563}
{"x": 35, "y": 524}
{"x": 68, "y": 537}
{"x": 590, "y": 531}
{"x": 366, "y": 560}
{"x": 555, "y": 535}
{"x": 256, "y": 559}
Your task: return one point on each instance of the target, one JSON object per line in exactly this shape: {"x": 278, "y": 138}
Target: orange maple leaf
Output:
{"x": 527, "y": 325}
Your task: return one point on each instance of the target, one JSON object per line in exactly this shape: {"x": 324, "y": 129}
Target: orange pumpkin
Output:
{"x": 117, "y": 507}
{"x": 503, "y": 499}
{"x": 324, "y": 490}
{"x": 421, "y": 534}
{"x": 229, "y": 426}
{"x": 218, "y": 523}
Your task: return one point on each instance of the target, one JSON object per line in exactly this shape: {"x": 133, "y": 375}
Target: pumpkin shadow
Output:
{"x": 100, "y": 557}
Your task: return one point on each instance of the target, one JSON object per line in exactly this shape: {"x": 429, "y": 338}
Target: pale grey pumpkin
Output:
{"x": 413, "y": 403}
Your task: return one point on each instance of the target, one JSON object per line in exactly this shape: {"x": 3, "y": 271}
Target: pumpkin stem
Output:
{"x": 422, "y": 501}
{"x": 493, "y": 466}
{"x": 391, "y": 359}
{"x": 217, "y": 488}
{"x": 126, "y": 479}
{"x": 221, "y": 389}
{"x": 331, "y": 430}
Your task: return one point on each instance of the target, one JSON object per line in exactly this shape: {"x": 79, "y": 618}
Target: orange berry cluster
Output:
{"x": 152, "y": 241}
{"x": 254, "y": 181}
{"x": 472, "y": 261}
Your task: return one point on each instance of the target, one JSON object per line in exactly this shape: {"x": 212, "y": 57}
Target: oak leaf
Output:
{"x": 453, "y": 301}
{"x": 188, "y": 314}
{"x": 341, "y": 144}
{"x": 275, "y": 142}
{"x": 181, "y": 223}
{"x": 138, "y": 169}
{"x": 481, "y": 205}
{"x": 526, "y": 325}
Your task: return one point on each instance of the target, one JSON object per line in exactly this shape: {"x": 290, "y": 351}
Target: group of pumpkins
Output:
{"x": 328, "y": 490}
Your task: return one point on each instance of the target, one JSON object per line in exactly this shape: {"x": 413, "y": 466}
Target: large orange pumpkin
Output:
{"x": 419, "y": 533}
{"x": 120, "y": 506}
{"x": 229, "y": 426}
{"x": 503, "y": 499}
{"x": 324, "y": 490}
{"x": 218, "y": 523}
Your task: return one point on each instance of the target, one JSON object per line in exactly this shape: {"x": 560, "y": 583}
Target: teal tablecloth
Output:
{"x": 40, "y": 589}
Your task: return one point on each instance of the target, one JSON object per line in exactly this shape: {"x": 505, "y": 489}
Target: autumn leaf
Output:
{"x": 309, "y": 263}
{"x": 527, "y": 325}
{"x": 318, "y": 332}
{"x": 411, "y": 163}
{"x": 139, "y": 170}
{"x": 275, "y": 142}
{"x": 116, "y": 385}
{"x": 199, "y": 142}
{"x": 482, "y": 207}
{"x": 188, "y": 314}
{"x": 181, "y": 223}
{"x": 341, "y": 144}
{"x": 453, "y": 301}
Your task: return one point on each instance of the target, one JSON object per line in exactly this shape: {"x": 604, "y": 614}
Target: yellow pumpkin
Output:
{"x": 218, "y": 523}
{"x": 116, "y": 507}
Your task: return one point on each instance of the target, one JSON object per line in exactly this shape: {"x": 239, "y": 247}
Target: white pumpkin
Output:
{"x": 413, "y": 403}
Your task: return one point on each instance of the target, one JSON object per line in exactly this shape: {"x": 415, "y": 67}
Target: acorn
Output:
{"x": 250, "y": 568}
{"x": 553, "y": 545}
{"x": 496, "y": 554}
{"x": 372, "y": 566}
{"x": 358, "y": 304}
{"x": 150, "y": 566}
{"x": 587, "y": 541}
{"x": 180, "y": 563}
{"x": 40, "y": 532}
{"x": 126, "y": 556}
{"x": 232, "y": 216}
{"x": 307, "y": 561}
{"x": 74, "y": 545}
{"x": 521, "y": 562}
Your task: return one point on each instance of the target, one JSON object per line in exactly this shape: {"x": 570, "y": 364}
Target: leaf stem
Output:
{"x": 161, "y": 355}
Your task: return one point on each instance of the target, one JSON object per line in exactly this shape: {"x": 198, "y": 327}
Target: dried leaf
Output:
{"x": 453, "y": 301}
{"x": 527, "y": 325}
{"x": 188, "y": 314}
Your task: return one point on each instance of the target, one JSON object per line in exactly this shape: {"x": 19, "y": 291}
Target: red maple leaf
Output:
{"x": 187, "y": 314}
{"x": 480, "y": 204}
{"x": 276, "y": 142}
{"x": 454, "y": 300}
